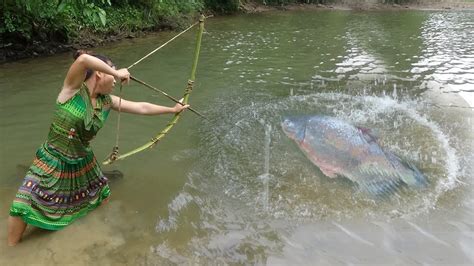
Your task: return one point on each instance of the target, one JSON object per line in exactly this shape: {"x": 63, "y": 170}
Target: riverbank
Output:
{"x": 17, "y": 48}
{"x": 85, "y": 39}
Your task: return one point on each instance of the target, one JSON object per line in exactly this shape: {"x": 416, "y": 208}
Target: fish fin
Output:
{"x": 417, "y": 179}
{"x": 377, "y": 178}
{"x": 379, "y": 187}
{"x": 407, "y": 171}
{"x": 381, "y": 179}
{"x": 328, "y": 172}
{"x": 301, "y": 134}
{"x": 368, "y": 134}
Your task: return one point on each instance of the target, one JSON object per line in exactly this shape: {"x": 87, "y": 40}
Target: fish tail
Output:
{"x": 414, "y": 178}
{"x": 407, "y": 172}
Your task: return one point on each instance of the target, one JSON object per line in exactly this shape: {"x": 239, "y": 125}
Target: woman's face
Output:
{"x": 106, "y": 83}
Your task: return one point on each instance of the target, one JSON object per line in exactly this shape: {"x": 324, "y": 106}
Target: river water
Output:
{"x": 234, "y": 189}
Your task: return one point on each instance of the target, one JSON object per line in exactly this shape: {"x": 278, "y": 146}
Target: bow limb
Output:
{"x": 176, "y": 117}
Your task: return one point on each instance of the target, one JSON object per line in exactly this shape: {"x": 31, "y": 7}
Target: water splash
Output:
{"x": 225, "y": 190}
{"x": 174, "y": 209}
{"x": 265, "y": 177}
{"x": 385, "y": 105}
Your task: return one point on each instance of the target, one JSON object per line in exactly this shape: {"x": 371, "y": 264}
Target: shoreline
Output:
{"x": 11, "y": 52}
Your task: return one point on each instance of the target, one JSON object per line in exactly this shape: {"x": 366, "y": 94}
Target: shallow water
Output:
{"x": 235, "y": 189}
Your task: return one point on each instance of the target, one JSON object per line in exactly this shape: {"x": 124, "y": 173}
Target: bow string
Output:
{"x": 114, "y": 156}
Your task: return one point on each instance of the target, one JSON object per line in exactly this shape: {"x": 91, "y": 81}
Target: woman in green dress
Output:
{"x": 65, "y": 181}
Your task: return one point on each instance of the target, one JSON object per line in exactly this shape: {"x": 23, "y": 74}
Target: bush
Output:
{"x": 37, "y": 20}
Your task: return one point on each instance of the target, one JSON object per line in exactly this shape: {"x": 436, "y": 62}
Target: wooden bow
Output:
{"x": 187, "y": 91}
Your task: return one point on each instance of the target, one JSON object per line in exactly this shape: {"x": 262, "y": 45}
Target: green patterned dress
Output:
{"x": 65, "y": 181}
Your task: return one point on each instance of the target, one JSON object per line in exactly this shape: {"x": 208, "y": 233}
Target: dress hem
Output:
{"x": 32, "y": 217}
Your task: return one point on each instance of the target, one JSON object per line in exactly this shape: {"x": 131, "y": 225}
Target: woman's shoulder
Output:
{"x": 67, "y": 94}
{"x": 65, "y": 98}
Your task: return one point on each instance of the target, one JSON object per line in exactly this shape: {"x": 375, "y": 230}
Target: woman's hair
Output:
{"x": 101, "y": 57}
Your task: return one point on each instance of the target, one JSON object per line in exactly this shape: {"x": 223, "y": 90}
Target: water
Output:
{"x": 266, "y": 172}
{"x": 235, "y": 189}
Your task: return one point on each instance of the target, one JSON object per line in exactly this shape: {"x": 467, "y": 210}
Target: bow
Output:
{"x": 187, "y": 91}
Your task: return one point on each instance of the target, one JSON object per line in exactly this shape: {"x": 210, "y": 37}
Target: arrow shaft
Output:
{"x": 166, "y": 95}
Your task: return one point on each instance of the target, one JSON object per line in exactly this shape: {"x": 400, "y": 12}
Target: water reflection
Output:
{"x": 447, "y": 63}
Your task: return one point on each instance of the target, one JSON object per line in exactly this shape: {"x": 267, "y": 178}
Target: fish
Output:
{"x": 340, "y": 149}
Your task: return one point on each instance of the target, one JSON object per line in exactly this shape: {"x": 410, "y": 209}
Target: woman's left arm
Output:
{"x": 144, "y": 108}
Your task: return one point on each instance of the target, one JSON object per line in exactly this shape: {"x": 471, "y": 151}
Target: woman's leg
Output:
{"x": 16, "y": 228}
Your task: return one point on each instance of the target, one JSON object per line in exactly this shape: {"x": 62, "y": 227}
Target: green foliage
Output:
{"x": 173, "y": 8}
{"x": 126, "y": 19}
{"x": 32, "y": 19}
{"x": 37, "y": 20}
{"x": 87, "y": 12}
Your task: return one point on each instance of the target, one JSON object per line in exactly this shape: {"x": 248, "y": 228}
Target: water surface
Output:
{"x": 235, "y": 189}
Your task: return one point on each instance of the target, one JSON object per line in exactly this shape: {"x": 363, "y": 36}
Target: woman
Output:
{"x": 65, "y": 181}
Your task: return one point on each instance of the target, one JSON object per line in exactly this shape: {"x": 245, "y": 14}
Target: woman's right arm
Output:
{"x": 77, "y": 72}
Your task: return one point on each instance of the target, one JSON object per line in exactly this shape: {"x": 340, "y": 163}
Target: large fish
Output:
{"x": 341, "y": 149}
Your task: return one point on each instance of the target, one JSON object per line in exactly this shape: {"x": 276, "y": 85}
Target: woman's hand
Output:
{"x": 123, "y": 75}
{"x": 178, "y": 107}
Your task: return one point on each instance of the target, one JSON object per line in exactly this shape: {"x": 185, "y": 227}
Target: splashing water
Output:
{"x": 236, "y": 213}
